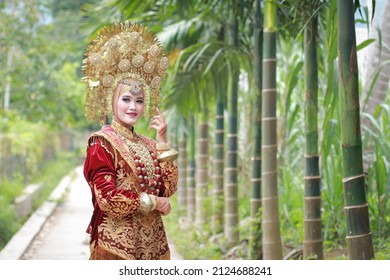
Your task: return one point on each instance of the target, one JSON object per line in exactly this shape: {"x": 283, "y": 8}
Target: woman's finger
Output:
{"x": 160, "y": 113}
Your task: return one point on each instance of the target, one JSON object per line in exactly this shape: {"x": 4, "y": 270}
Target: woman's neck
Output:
{"x": 123, "y": 129}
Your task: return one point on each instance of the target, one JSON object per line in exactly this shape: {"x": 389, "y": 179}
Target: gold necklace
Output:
{"x": 147, "y": 166}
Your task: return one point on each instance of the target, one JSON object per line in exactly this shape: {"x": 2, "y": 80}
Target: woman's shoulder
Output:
{"x": 104, "y": 131}
{"x": 101, "y": 135}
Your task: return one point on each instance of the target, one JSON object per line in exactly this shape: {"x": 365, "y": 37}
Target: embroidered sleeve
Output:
{"x": 99, "y": 171}
{"x": 170, "y": 176}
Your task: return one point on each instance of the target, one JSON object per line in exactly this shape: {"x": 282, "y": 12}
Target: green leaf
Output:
{"x": 364, "y": 44}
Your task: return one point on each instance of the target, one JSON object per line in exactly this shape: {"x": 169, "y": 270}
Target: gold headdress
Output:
{"x": 122, "y": 51}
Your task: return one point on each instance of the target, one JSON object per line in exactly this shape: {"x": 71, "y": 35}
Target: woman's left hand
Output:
{"x": 160, "y": 125}
{"x": 163, "y": 205}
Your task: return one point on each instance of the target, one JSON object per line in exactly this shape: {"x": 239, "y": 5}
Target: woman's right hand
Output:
{"x": 163, "y": 205}
{"x": 159, "y": 123}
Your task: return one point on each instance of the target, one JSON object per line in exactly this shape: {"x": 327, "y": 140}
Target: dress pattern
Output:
{"x": 118, "y": 229}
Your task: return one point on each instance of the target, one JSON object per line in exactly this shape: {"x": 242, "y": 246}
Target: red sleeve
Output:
{"x": 99, "y": 171}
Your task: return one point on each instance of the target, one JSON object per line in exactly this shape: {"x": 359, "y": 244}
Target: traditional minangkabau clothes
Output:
{"x": 118, "y": 228}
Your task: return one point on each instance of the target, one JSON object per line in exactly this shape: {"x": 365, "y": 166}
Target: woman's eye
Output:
{"x": 125, "y": 99}
{"x": 140, "y": 101}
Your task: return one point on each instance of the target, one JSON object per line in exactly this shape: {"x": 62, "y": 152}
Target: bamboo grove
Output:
{"x": 272, "y": 150}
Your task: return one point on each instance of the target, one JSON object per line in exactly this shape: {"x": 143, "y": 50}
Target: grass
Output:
{"x": 9, "y": 190}
{"x": 192, "y": 244}
{"x": 9, "y": 225}
{"x": 51, "y": 174}
{"x": 195, "y": 244}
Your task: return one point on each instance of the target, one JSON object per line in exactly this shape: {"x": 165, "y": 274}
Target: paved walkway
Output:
{"x": 63, "y": 236}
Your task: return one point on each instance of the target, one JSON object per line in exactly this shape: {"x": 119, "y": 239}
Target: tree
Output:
{"x": 45, "y": 44}
{"x": 231, "y": 189}
{"x": 182, "y": 168}
{"x": 359, "y": 237}
{"x": 218, "y": 73}
{"x": 272, "y": 247}
{"x": 312, "y": 243}
{"x": 255, "y": 207}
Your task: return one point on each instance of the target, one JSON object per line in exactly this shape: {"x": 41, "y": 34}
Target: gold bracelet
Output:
{"x": 169, "y": 155}
{"x": 153, "y": 199}
{"x": 147, "y": 203}
{"x": 162, "y": 146}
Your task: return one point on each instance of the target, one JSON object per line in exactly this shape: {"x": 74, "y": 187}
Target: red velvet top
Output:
{"x": 117, "y": 224}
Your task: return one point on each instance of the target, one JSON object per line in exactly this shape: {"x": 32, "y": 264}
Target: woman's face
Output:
{"x": 130, "y": 105}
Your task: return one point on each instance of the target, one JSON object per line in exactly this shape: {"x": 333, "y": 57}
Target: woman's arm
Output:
{"x": 169, "y": 172}
{"x": 99, "y": 171}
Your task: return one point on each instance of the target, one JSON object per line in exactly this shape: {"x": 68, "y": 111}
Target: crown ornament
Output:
{"x": 121, "y": 52}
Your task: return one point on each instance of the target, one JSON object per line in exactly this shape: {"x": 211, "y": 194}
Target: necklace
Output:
{"x": 152, "y": 185}
{"x": 147, "y": 166}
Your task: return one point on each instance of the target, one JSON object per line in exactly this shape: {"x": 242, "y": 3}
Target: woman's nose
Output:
{"x": 132, "y": 105}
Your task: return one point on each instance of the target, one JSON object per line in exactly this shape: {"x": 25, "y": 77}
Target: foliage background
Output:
{"x": 45, "y": 120}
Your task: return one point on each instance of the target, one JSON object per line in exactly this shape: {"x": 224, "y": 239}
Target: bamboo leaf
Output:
{"x": 212, "y": 60}
{"x": 364, "y": 44}
{"x": 375, "y": 124}
{"x": 195, "y": 57}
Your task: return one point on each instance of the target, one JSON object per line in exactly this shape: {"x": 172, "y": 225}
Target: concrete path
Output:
{"x": 63, "y": 236}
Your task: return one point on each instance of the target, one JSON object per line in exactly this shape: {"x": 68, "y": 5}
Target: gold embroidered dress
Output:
{"x": 120, "y": 165}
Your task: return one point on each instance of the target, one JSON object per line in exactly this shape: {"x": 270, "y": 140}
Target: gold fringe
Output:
{"x": 103, "y": 142}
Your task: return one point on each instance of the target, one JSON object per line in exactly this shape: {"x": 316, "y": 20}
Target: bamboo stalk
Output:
{"x": 359, "y": 239}
{"x": 231, "y": 188}
{"x": 218, "y": 194}
{"x": 191, "y": 183}
{"x": 272, "y": 248}
{"x": 312, "y": 240}
{"x": 255, "y": 202}
{"x": 202, "y": 158}
{"x": 182, "y": 181}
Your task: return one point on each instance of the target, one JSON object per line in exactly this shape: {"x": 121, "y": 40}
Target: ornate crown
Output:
{"x": 121, "y": 51}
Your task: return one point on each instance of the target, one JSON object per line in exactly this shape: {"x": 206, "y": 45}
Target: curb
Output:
{"x": 20, "y": 242}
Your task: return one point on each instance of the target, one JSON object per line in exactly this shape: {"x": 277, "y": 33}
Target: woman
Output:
{"x": 131, "y": 176}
